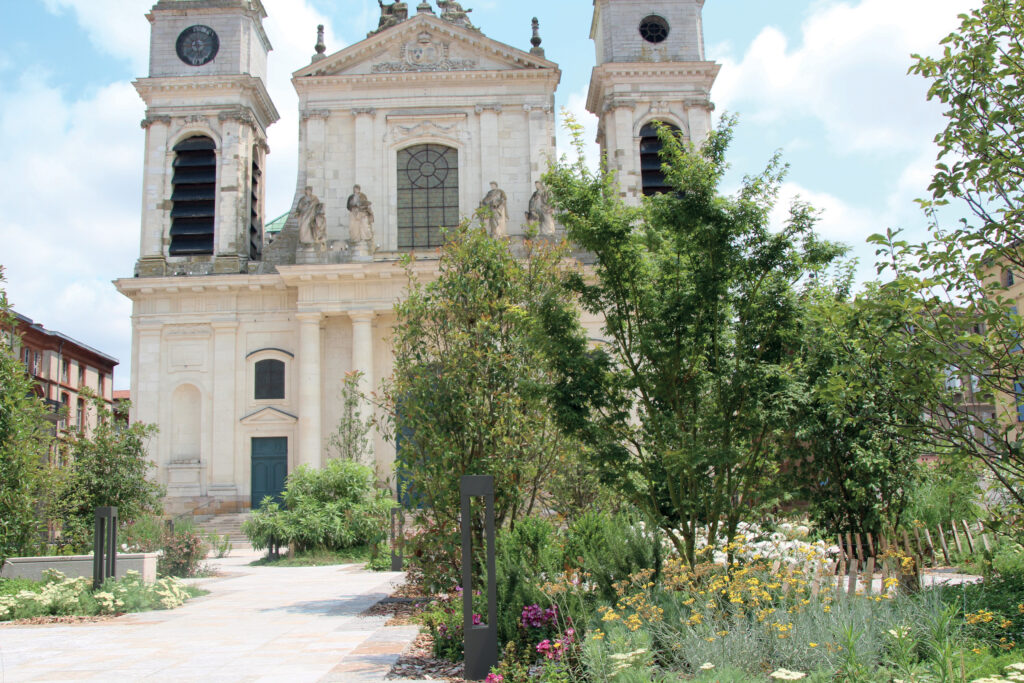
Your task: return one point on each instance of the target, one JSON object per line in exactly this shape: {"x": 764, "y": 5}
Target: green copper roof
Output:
{"x": 275, "y": 226}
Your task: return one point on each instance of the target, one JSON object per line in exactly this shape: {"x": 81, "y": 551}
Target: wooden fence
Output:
{"x": 898, "y": 558}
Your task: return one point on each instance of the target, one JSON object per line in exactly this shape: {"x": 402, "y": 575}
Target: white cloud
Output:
{"x": 116, "y": 27}
{"x": 849, "y": 72}
{"x": 576, "y": 107}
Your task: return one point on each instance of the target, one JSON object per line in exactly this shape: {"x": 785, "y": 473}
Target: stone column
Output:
{"x": 490, "y": 147}
{"x": 225, "y": 365}
{"x": 362, "y": 347}
{"x": 315, "y": 121}
{"x": 157, "y": 166}
{"x": 310, "y": 433}
{"x": 366, "y": 151}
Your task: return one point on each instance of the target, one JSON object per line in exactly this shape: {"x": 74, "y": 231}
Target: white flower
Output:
{"x": 1019, "y": 666}
{"x": 787, "y": 675}
{"x": 707, "y": 666}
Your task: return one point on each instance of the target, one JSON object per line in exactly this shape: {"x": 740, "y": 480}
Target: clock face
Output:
{"x": 198, "y": 45}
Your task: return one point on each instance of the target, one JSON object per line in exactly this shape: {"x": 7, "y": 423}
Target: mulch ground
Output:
{"x": 50, "y": 620}
{"x": 403, "y": 606}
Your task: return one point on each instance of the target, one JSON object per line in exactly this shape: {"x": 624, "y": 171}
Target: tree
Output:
{"x": 109, "y": 466}
{"x": 468, "y": 391}
{"x": 856, "y": 445}
{"x": 350, "y": 440}
{"x": 24, "y": 444}
{"x": 687, "y": 405}
{"x": 956, "y": 284}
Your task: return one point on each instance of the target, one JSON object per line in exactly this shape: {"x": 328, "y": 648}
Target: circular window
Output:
{"x": 654, "y": 29}
{"x": 427, "y": 168}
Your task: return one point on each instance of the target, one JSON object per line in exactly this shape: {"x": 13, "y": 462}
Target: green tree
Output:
{"x": 351, "y": 437}
{"x": 956, "y": 283}
{"x": 687, "y": 405}
{"x": 108, "y": 466}
{"x": 856, "y": 443}
{"x": 24, "y": 445}
{"x": 469, "y": 386}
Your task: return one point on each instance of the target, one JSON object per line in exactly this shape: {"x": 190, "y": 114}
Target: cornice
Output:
{"x": 306, "y": 84}
{"x": 699, "y": 74}
{"x": 265, "y": 109}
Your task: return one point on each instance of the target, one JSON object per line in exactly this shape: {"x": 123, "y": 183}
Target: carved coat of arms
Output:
{"x": 424, "y": 54}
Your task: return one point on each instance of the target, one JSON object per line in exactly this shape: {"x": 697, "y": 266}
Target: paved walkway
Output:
{"x": 257, "y": 624}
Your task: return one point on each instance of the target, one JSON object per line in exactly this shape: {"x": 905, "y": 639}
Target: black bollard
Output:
{"x": 104, "y": 558}
{"x": 481, "y": 641}
{"x": 397, "y": 532}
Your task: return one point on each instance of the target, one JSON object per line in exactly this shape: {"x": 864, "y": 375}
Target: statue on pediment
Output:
{"x": 453, "y": 13}
{"x": 496, "y": 202}
{"x": 540, "y": 210}
{"x": 392, "y": 14}
{"x": 360, "y": 221}
{"x": 312, "y": 220}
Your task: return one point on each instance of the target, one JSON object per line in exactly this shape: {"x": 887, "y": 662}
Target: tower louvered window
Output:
{"x": 255, "y": 217}
{"x": 193, "y": 197}
{"x": 653, "y": 180}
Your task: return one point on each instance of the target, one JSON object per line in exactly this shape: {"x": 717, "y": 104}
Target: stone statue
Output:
{"x": 541, "y": 211}
{"x": 360, "y": 218}
{"x": 392, "y": 14}
{"x": 452, "y": 12}
{"x": 312, "y": 221}
{"x": 496, "y": 201}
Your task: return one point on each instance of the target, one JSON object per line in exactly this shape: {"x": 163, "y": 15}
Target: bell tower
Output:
{"x": 650, "y": 68}
{"x": 206, "y": 129}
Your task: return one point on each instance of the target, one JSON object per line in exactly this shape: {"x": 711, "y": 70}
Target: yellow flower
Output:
{"x": 610, "y": 615}
{"x": 812, "y": 644}
{"x": 597, "y": 634}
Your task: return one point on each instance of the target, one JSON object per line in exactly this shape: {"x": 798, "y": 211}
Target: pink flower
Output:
{"x": 494, "y": 678}
{"x": 476, "y": 620}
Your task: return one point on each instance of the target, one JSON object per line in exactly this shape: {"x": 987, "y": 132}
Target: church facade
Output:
{"x": 239, "y": 346}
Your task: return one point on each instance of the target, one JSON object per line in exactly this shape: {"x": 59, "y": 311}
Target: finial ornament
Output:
{"x": 535, "y": 40}
{"x": 321, "y": 48}
{"x": 424, "y": 7}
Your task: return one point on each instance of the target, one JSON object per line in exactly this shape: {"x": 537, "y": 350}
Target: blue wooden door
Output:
{"x": 269, "y": 468}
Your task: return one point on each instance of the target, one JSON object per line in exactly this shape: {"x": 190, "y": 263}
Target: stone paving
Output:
{"x": 256, "y": 624}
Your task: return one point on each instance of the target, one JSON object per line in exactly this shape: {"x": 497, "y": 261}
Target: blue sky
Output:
{"x": 822, "y": 80}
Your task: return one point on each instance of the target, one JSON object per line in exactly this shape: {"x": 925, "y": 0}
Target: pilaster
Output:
{"x": 310, "y": 432}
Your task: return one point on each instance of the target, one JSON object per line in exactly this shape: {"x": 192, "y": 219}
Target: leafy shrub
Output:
{"x": 143, "y": 535}
{"x": 433, "y": 556}
{"x": 610, "y": 548}
{"x": 443, "y": 618}
{"x": 183, "y": 550}
{"x": 330, "y": 509}
{"x": 524, "y": 557}
{"x": 57, "y": 595}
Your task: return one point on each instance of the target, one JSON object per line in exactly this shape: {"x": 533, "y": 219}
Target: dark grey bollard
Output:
{"x": 104, "y": 548}
{"x": 397, "y": 532}
{"x": 481, "y": 642}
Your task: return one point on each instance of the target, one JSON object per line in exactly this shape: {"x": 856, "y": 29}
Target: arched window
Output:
{"x": 269, "y": 379}
{"x": 652, "y": 179}
{"x": 1008, "y": 278}
{"x": 428, "y": 194}
{"x": 193, "y": 197}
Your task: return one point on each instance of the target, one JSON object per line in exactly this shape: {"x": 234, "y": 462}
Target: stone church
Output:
{"x": 240, "y": 345}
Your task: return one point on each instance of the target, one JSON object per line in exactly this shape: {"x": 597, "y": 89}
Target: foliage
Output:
{"x": 183, "y": 550}
{"x": 350, "y": 440}
{"x": 855, "y": 451}
{"x": 685, "y": 405}
{"x": 57, "y": 595}
{"x": 443, "y": 619}
{"x": 947, "y": 492}
{"x": 24, "y": 445}
{"x": 523, "y": 556}
{"x": 468, "y": 391}
{"x": 108, "y": 467}
{"x": 433, "y": 555}
{"x": 956, "y": 283}
{"x": 321, "y": 558}
{"x": 334, "y": 508}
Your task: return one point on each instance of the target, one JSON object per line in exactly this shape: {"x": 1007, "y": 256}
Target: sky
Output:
{"x": 823, "y": 81}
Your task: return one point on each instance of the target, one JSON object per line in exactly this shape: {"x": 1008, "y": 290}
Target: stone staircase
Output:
{"x": 230, "y": 524}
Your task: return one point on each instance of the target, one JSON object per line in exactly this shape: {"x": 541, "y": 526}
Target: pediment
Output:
{"x": 424, "y": 43}
{"x": 269, "y": 415}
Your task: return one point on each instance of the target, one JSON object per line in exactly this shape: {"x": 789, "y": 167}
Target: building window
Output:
{"x": 65, "y": 372}
{"x": 1018, "y": 387}
{"x": 654, "y": 29}
{"x": 80, "y": 416}
{"x": 269, "y": 379}
{"x": 65, "y": 408}
{"x": 36, "y": 363}
{"x": 101, "y": 379}
{"x": 652, "y": 178}
{"x": 255, "y": 216}
{"x": 428, "y": 194}
{"x": 81, "y": 375}
{"x": 27, "y": 356}
{"x": 193, "y": 197}
{"x": 1008, "y": 279}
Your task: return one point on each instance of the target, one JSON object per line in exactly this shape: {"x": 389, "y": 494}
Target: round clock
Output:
{"x": 198, "y": 45}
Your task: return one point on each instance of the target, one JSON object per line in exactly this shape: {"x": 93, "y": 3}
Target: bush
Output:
{"x": 57, "y": 595}
{"x": 524, "y": 557}
{"x": 143, "y": 535}
{"x": 335, "y": 508}
{"x": 183, "y": 550}
{"x": 610, "y": 548}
